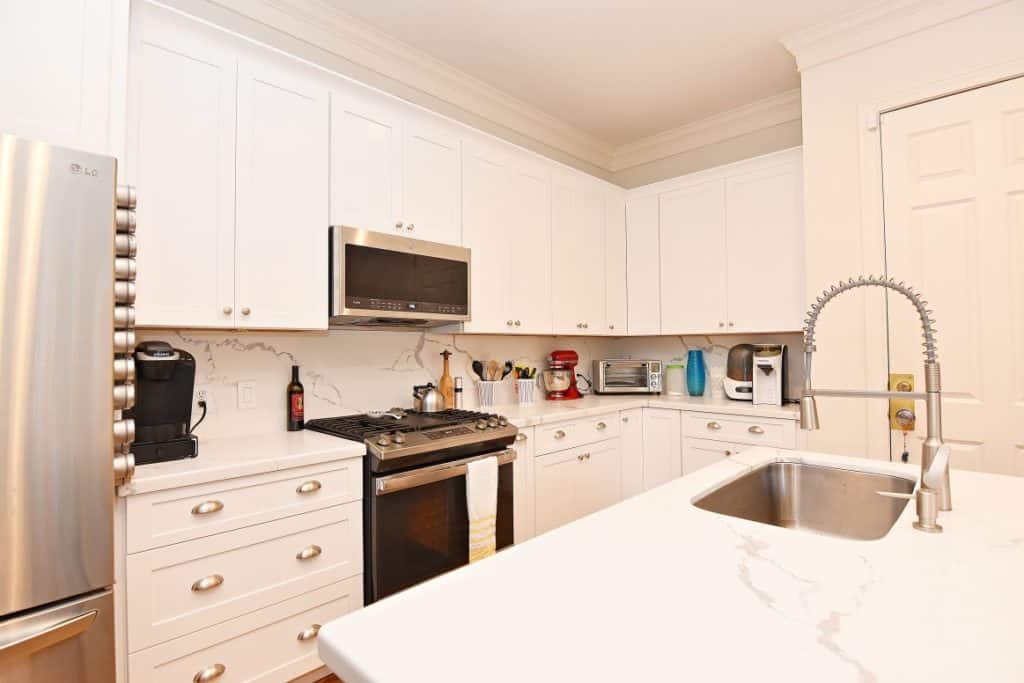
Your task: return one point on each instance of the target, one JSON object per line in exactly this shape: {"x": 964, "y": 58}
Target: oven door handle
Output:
{"x": 435, "y": 473}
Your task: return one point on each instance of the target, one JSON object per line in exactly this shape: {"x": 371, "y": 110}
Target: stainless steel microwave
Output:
{"x": 381, "y": 280}
{"x": 627, "y": 376}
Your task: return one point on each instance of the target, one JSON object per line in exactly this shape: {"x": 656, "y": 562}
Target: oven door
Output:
{"x": 418, "y": 525}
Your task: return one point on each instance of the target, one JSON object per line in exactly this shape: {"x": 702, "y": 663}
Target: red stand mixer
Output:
{"x": 560, "y": 377}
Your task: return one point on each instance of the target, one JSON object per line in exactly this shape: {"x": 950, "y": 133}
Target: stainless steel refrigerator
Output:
{"x": 60, "y": 257}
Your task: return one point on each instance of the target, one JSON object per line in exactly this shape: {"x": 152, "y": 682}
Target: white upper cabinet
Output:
{"x": 281, "y": 233}
{"x": 730, "y": 243}
{"x": 643, "y": 268}
{"x": 528, "y": 278}
{"x": 431, "y": 183}
{"x": 578, "y": 215}
{"x": 615, "y": 264}
{"x": 485, "y": 232}
{"x": 693, "y": 275}
{"x": 366, "y": 161}
{"x": 765, "y": 257}
{"x": 56, "y": 60}
{"x": 185, "y": 173}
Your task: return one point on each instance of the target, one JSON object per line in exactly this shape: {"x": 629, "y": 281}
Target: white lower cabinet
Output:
{"x": 522, "y": 509}
{"x": 662, "y": 435}
{"x": 631, "y": 442}
{"x": 712, "y": 437}
{"x": 698, "y": 453}
{"x": 575, "y": 482}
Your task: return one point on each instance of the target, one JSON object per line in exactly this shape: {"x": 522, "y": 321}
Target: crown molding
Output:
{"x": 874, "y": 25}
{"x": 765, "y": 113}
{"x": 326, "y": 28}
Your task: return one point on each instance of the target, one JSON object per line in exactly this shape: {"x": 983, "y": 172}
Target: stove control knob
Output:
{"x": 383, "y": 440}
{"x": 481, "y": 424}
{"x": 502, "y": 421}
{"x": 398, "y": 438}
{"x": 492, "y": 421}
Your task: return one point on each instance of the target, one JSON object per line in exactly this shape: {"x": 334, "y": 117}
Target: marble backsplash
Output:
{"x": 351, "y": 371}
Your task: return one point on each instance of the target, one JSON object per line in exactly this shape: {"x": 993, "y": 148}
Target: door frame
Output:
{"x": 876, "y": 349}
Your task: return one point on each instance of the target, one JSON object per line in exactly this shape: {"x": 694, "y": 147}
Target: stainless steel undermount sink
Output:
{"x": 818, "y": 498}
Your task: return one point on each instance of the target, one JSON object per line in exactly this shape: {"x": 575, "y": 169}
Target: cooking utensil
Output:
{"x": 478, "y": 369}
{"x": 507, "y": 369}
{"x": 493, "y": 370}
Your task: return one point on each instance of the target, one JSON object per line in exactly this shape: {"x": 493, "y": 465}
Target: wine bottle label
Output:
{"x": 297, "y": 406}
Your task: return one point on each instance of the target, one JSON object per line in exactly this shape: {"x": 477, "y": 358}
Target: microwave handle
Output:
{"x": 434, "y": 474}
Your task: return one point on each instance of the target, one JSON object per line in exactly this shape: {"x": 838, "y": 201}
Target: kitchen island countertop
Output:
{"x": 655, "y": 589}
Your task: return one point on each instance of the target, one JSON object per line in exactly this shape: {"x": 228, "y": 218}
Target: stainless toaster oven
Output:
{"x": 627, "y": 376}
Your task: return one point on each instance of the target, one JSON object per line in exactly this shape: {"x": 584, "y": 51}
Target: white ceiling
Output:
{"x": 617, "y": 70}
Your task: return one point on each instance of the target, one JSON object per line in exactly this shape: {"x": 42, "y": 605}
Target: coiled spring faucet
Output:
{"x": 933, "y": 493}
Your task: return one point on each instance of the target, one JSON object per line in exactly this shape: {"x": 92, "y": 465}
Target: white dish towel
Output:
{"x": 482, "y": 506}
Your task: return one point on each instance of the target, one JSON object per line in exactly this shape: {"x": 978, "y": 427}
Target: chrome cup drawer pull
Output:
{"x": 754, "y": 429}
{"x": 311, "y": 486}
{"x": 602, "y": 425}
{"x": 207, "y": 583}
{"x": 714, "y": 425}
{"x": 309, "y": 552}
{"x": 208, "y": 507}
{"x": 209, "y": 673}
{"x": 559, "y": 434}
{"x": 309, "y": 633}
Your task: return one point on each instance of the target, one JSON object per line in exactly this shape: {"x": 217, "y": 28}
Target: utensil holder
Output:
{"x": 524, "y": 391}
{"x": 485, "y": 392}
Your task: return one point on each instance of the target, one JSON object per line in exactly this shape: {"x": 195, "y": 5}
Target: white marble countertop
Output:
{"x": 226, "y": 458}
{"x": 654, "y": 589}
{"x": 543, "y": 412}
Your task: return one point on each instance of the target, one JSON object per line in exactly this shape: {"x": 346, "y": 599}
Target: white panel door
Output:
{"x": 567, "y": 234}
{"x": 693, "y": 259}
{"x": 631, "y": 440}
{"x": 281, "y": 233}
{"x": 954, "y": 214}
{"x": 181, "y": 155}
{"x": 765, "y": 256}
{"x": 615, "y": 264}
{"x": 643, "y": 267}
{"x": 528, "y": 285}
{"x": 55, "y": 67}
{"x": 522, "y": 502}
{"x": 555, "y": 480}
{"x": 601, "y": 483}
{"x": 431, "y": 183}
{"x": 662, "y": 450}
{"x": 366, "y": 162}
{"x": 593, "y": 267}
{"x": 485, "y": 231}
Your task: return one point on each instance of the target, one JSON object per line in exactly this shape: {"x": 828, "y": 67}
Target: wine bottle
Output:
{"x": 296, "y": 395}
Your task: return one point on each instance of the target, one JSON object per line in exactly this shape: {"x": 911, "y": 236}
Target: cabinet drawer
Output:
{"x": 555, "y": 437}
{"x": 699, "y": 453}
{"x": 165, "y": 517}
{"x": 182, "y": 588}
{"x": 755, "y": 431}
{"x": 261, "y": 646}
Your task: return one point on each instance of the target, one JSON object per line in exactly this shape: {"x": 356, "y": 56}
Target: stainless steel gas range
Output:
{"x": 415, "y": 521}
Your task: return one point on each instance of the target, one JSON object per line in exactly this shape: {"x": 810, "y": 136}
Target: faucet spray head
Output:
{"x": 808, "y": 413}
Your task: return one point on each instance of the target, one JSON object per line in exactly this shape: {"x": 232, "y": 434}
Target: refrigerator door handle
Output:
{"x": 63, "y": 630}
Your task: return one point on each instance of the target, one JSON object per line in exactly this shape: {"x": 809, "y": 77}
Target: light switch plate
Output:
{"x": 247, "y": 395}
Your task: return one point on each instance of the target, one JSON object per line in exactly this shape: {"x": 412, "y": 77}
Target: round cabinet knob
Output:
{"x": 721, "y": 324}
{"x": 410, "y": 227}
{"x": 384, "y": 440}
{"x": 399, "y": 225}
{"x": 228, "y": 310}
{"x": 509, "y": 323}
{"x": 731, "y": 323}
{"x": 586, "y": 326}
{"x": 246, "y": 311}
{"x": 625, "y": 419}
{"x": 601, "y": 426}
{"x": 559, "y": 434}
{"x": 579, "y": 326}
{"x": 481, "y": 424}
{"x": 728, "y": 453}
{"x": 611, "y": 327}
{"x": 518, "y": 323}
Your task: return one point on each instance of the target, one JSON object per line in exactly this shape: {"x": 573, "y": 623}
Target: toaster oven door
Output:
{"x": 624, "y": 377}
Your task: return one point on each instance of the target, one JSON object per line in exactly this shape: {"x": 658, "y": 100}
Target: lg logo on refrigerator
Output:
{"x": 78, "y": 169}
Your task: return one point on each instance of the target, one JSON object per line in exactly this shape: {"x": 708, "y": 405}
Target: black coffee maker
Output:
{"x": 165, "y": 379}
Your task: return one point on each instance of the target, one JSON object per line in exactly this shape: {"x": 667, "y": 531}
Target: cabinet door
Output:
{"x": 555, "y": 500}
{"x": 567, "y": 234}
{"x": 523, "y": 474}
{"x": 484, "y": 226}
{"x": 281, "y": 233}
{"x": 693, "y": 260}
{"x": 593, "y": 268}
{"x": 181, "y": 155}
{"x": 615, "y": 264}
{"x": 528, "y": 282}
{"x": 431, "y": 184}
{"x": 631, "y": 440}
{"x": 366, "y": 162}
{"x": 662, "y": 450}
{"x": 601, "y": 483}
{"x": 765, "y": 250}
{"x": 698, "y": 453}
{"x": 55, "y": 66}
{"x": 643, "y": 267}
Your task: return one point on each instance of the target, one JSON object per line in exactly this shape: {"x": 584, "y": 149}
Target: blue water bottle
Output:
{"x": 696, "y": 373}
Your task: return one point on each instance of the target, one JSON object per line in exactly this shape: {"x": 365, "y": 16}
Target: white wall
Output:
{"x": 842, "y": 189}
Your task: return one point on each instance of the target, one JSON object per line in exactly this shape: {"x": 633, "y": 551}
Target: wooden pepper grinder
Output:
{"x": 446, "y": 385}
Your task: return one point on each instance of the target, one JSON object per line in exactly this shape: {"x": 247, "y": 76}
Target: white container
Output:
{"x": 675, "y": 377}
{"x": 485, "y": 392}
{"x": 524, "y": 391}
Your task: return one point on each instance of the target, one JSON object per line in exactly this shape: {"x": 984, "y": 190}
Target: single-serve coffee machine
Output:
{"x": 165, "y": 379}
{"x": 769, "y": 373}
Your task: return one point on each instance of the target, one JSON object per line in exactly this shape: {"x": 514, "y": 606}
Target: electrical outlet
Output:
{"x": 203, "y": 392}
{"x": 247, "y": 395}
